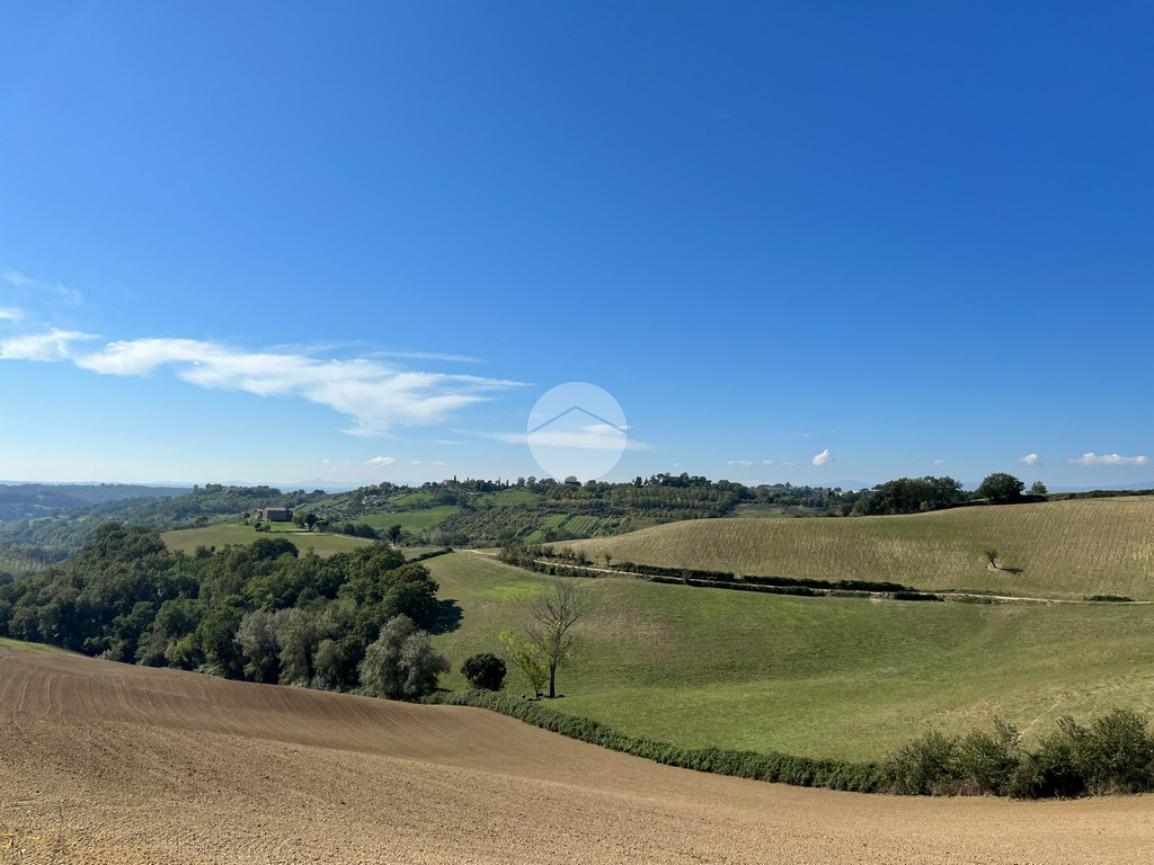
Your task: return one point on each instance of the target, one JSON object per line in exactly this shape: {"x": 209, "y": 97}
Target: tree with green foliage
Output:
{"x": 485, "y": 671}
{"x": 394, "y": 534}
{"x": 910, "y": 496}
{"x": 527, "y": 659}
{"x": 551, "y": 620}
{"x": 297, "y": 635}
{"x": 1037, "y": 488}
{"x": 1000, "y": 488}
{"x": 257, "y": 636}
{"x": 401, "y": 664}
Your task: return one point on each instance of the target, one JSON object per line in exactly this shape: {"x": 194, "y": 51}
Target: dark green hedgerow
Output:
{"x": 1113, "y": 754}
{"x": 779, "y": 768}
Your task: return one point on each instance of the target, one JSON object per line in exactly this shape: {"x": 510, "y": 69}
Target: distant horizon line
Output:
{"x": 345, "y": 486}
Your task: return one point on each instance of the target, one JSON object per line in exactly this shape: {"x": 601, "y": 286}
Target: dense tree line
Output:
{"x": 263, "y": 612}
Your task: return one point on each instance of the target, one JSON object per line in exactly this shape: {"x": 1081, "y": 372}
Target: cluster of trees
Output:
{"x": 911, "y": 495}
{"x": 355, "y": 621}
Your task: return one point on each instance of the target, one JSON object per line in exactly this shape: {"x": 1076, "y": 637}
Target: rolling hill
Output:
{"x": 821, "y": 677}
{"x": 104, "y": 762}
{"x": 1063, "y": 549}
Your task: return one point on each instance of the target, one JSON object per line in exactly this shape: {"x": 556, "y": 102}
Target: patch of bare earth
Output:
{"x": 109, "y": 763}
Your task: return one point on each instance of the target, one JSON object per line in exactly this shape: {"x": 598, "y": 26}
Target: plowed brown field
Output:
{"x": 109, "y": 763}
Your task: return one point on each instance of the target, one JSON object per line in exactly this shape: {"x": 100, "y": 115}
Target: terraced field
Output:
{"x": 108, "y": 763}
{"x": 1059, "y": 549}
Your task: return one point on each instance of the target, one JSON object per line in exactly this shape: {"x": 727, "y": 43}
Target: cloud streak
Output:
{"x": 822, "y": 458}
{"x": 1092, "y": 459}
{"x": 52, "y": 345}
{"x": 30, "y": 285}
{"x": 376, "y": 396}
{"x": 1029, "y": 459}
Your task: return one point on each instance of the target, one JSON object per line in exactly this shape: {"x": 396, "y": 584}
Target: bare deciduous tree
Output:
{"x": 549, "y": 628}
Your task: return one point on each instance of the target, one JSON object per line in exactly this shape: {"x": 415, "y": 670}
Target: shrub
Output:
{"x": 1048, "y": 771}
{"x": 925, "y": 767}
{"x": 986, "y": 762}
{"x": 1115, "y": 754}
{"x": 485, "y": 671}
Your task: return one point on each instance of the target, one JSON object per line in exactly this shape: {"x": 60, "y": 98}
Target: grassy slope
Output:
{"x": 223, "y": 535}
{"x": 410, "y": 521}
{"x": 8, "y": 643}
{"x": 823, "y": 677}
{"x": 1071, "y": 548}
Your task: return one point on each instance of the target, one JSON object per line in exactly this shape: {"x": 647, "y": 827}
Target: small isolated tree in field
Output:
{"x": 1038, "y": 489}
{"x": 485, "y": 671}
{"x": 527, "y": 660}
{"x": 394, "y": 534}
{"x": 549, "y": 630}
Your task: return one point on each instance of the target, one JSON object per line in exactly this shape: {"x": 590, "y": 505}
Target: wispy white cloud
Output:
{"x": 31, "y": 285}
{"x": 741, "y": 462}
{"x": 53, "y": 345}
{"x": 430, "y": 355}
{"x": 11, "y": 313}
{"x": 381, "y": 461}
{"x": 939, "y": 462}
{"x": 376, "y": 396}
{"x": 1092, "y": 459}
{"x": 588, "y": 437}
{"x": 767, "y": 462}
{"x": 1029, "y": 459}
{"x": 822, "y": 458}
{"x": 16, "y": 278}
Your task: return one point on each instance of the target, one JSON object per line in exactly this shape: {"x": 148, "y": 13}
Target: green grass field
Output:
{"x": 20, "y": 645}
{"x": 816, "y": 676}
{"x": 411, "y": 521}
{"x": 1065, "y": 549}
{"x": 223, "y": 535}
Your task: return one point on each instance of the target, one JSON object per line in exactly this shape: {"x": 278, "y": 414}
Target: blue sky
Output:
{"x": 277, "y": 242}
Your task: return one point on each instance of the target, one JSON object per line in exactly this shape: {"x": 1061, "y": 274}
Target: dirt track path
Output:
{"x": 108, "y": 763}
